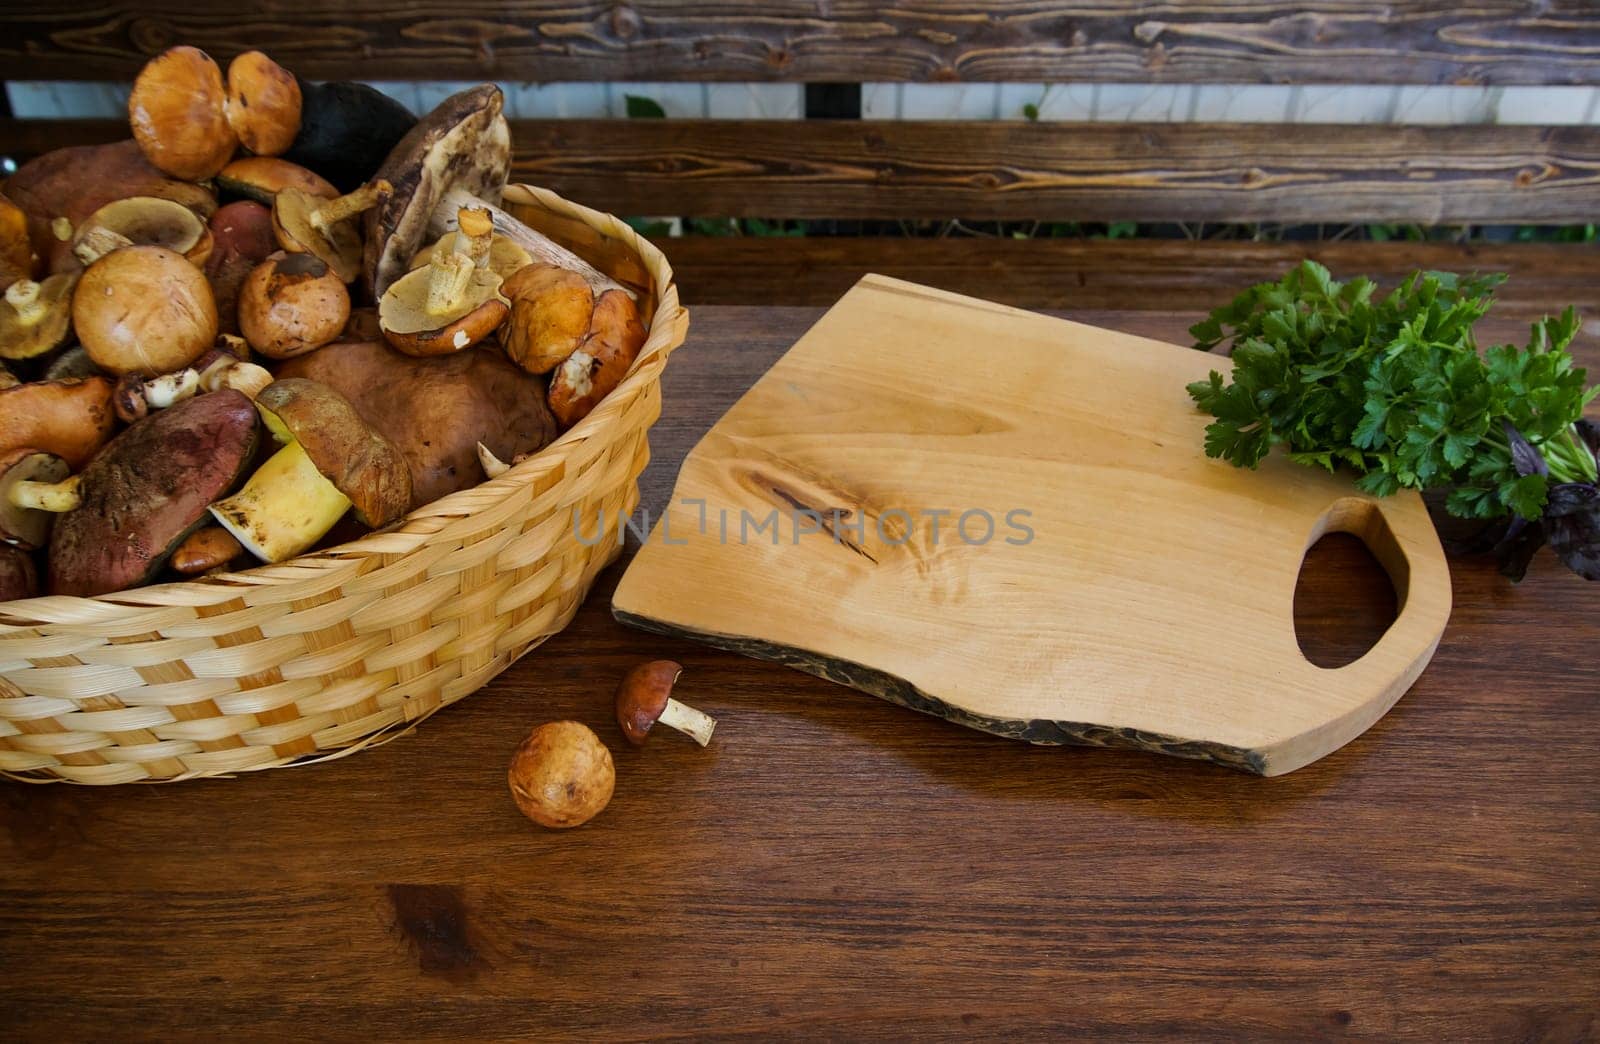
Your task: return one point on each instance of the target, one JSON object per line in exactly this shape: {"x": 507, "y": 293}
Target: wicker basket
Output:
{"x": 346, "y": 648}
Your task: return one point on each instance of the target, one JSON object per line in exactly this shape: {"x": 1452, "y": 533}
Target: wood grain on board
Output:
{"x": 1137, "y": 41}
{"x": 834, "y": 866}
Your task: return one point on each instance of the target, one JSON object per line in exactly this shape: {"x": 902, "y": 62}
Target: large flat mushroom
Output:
{"x": 148, "y": 489}
{"x": 60, "y": 189}
{"x": 437, "y": 409}
{"x": 458, "y": 156}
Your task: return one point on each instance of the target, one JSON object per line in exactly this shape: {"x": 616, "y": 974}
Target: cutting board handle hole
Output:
{"x": 1345, "y": 599}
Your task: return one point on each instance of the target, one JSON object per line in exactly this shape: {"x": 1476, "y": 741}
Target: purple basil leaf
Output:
{"x": 1572, "y": 517}
{"x": 1517, "y": 547}
{"x": 1524, "y": 454}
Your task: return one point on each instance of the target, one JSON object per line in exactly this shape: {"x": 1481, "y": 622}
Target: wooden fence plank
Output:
{"x": 1109, "y": 274}
{"x": 1128, "y": 41}
{"x": 1013, "y": 170}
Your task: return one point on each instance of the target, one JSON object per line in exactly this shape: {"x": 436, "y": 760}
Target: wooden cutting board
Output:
{"x": 1094, "y": 579}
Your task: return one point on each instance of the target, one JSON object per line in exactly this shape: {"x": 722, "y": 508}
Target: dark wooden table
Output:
{"x": 836, "y": 867}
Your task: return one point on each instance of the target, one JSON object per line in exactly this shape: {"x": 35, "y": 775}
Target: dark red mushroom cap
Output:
{"x": 643, "y": 695}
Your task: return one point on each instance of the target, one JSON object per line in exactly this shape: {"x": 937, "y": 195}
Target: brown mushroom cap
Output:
{"x": 408, "y": 325}
{"x": 144, "y": 310}
{"x": 178, "y": 112}
{"x": 35, "y": 318}
{"x": 291, "y": 304}
{"x": 73, "y": 183}
{"x": 643, "y": 695}
{"x": 261, "y": 178}
{"x": 364, "y": 465}
{"x": 16, "y": 249}
{"x": 464, "y": 142}
{"x": 18, "y": 577}
{"x": 207, "y": 548}
{"x": 263, "y": 106}
{"x": 243, "y": 235}
{"x": 143, "y": 221}
{"x": 148, "y": 489}
{"x": 551, "y": 312}
{"x": 590, "y": 373}
{"x": 70, "y": 418}
{"x": 561, "y": 775}
{"x": 26, "y": 527}
{"x": 437, "y": 409}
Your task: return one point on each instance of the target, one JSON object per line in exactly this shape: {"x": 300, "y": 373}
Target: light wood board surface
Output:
{"x": 1093, "y": 578}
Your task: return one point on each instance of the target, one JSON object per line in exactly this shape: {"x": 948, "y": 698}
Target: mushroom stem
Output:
{"x": 219, "y": 370}
{"x": 477, "y": 228}
{"x": 285, "y": 507}
{"x": 349, "y": 205}
{"x": 492, "y": 465}
{"x": 23, "y": 297}
{"x": 539, "y": 247}
{"x": 61, "y": 228}
{"x": 449, "y": 274}
{"x": 697, "y": 725}
{"x": 97, "y": 242}
{"x": 54, "y": 497}
{"x": 136, "y": 397}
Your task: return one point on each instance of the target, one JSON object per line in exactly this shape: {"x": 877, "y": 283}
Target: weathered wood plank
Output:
{"x": 833, "y": 866}
{"x": 1136, "y": 41}
{"x": 1023, "y": 171}
{"x": 1082, "y": 171}
{"x": 1078, "y": 273}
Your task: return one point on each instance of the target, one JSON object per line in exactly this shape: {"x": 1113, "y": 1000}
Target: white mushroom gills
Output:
{"x": 697, "y": 725}
{"x": 539, "y": 247}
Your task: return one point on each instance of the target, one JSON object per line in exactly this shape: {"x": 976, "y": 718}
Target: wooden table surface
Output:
{"x": 836, "y": 867}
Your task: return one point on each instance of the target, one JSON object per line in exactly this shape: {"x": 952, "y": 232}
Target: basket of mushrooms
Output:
{"x": 302, "y": 410}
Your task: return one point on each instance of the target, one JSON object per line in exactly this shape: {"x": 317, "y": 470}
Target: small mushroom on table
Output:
{"x": 456, "y": 158}
{"x": 307, "y": 224}
{"x": 331, "y": 462}
{"x": 148, "y": 490}
{"x": 34, "y": 486}
{"x": 144, "y": 310}
{"x": 561, "y": 775}
{"x": 143, "y": 221}
{"x": 451, "y": 304}
{"x": 645, "y": 697}
{"x": 36, "y": 317}
{"x": 291, "y": 304}
{"x": 71, "y": 418}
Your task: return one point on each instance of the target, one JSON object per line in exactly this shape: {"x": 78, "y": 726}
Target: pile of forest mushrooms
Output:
{"x": 281, "y": 314}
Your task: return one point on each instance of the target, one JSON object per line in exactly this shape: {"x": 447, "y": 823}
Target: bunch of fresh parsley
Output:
{"x": 1395, "y": 389}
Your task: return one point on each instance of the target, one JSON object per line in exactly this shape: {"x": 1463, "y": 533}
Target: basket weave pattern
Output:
{"x": 340, "y": 650}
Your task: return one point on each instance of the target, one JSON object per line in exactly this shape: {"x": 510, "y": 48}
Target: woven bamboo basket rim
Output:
{"x": 163, "y": 623}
